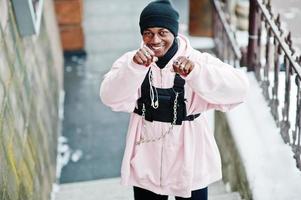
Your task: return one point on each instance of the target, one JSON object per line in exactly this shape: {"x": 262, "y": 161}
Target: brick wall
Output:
{"x": 69, "y": 16}
{"x": 30, "y": 84}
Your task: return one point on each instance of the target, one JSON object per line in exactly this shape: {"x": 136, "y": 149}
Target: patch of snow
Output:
{"x": 76, "y": 155}
{"x": 269, "y": 164}
{"x": 63, "y": 155}
{"x": 68, "y": 69}
{"x": 228, "y": 187}
{"x": 242, "y": 38}
{"x": 55, "y": 190}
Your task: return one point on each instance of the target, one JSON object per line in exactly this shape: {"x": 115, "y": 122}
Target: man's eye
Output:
{"x": 147, "y": 34}
{"x": 163, "y": 33}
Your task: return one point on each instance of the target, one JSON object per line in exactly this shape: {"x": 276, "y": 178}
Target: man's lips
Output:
{"x": 156, "y": 48}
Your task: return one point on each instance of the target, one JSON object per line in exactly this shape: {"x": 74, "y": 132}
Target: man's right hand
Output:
{"x": 144, "y": 56}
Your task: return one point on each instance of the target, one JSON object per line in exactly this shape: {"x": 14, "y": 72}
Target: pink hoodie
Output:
{"x": 188, "y": 158}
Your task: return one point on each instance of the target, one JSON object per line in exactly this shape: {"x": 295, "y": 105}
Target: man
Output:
{"x": 168, "y": 86}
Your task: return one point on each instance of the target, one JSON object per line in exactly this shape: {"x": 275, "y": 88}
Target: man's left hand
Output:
{"x": 183, "y": 66}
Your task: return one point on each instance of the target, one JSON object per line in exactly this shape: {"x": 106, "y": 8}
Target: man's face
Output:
{"x": 158, "y": 39}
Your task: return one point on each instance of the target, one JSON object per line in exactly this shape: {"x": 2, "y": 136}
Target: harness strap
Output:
{"x": 192, "y": 117}
{"x": 178, "y": 86}
{"x": 179, "y": 83}
{"x": 165, "y": 97}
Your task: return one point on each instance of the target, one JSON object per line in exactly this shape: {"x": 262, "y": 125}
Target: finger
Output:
{"x": 184, "y": 66}
{"x": 148, "y": 62}
{"x": 177, "y": 65}
{"x": 151, "y": 53}
{"x": 142, "y": 56}
{"x": 177, "y": 70}
{"x": 155, "y": 59}
{"x": 191, "y": 66}
{"x": 181, "y": 59}
{"x": 188, "y": 67}
{"x": 186, "y": 70}
{"x": 146, "y": 53}
{"x": 138, "y": 60}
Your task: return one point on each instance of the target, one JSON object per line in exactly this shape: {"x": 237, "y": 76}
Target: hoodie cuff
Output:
{"x": 136, "y": 66}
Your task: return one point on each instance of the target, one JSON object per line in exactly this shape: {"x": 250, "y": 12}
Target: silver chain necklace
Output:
{"x": 144, "y": 135}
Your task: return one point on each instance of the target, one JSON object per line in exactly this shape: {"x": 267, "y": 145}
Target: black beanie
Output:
{"x": 159, "y": 13}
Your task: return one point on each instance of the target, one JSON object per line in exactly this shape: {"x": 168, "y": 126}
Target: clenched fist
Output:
{"x": 183, "y": 66}
{"x": 145, "y": 56}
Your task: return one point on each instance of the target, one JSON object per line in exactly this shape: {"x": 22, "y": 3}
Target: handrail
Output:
{"x": 267, "y": 14}
{"x": 274, "y": 62}
{"x": 226, "y": 27}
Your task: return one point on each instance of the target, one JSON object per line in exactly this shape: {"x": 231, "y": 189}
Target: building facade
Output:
{"x": 31, "y": 83}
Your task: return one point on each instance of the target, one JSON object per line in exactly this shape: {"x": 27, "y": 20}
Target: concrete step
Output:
{"x": 110, "y": 189}
{"x": 217, "y": 188}
{"x": 227, "y": 196}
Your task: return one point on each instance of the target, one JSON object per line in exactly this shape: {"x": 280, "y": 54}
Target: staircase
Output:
{"x": 110, "y": 189}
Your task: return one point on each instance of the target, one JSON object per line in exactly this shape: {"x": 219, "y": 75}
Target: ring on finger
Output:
{"x": 146, "y": 54}
{"x": 176, "y": 62}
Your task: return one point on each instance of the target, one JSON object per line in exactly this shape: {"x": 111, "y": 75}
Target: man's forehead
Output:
{"x": 156, "y": 29}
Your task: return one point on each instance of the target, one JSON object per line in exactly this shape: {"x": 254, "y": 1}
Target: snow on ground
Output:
{"x": 269, "y": 164}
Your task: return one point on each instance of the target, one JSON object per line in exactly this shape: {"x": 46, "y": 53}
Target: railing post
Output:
{"x": 251, "y": 59}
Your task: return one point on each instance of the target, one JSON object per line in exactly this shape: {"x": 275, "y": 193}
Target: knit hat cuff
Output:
{"x": 159, "y": 21}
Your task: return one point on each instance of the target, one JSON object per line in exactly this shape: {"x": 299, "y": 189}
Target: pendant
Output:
{"x": 156, "y": 104}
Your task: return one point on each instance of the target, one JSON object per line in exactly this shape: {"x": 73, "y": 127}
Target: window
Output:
{"x": 28, "y": 15}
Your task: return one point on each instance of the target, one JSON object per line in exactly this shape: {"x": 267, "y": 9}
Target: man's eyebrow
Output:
{"x": 163, "y": 29}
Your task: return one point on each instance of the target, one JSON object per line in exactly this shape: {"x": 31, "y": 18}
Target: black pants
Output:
{"x": 142, "y": 194}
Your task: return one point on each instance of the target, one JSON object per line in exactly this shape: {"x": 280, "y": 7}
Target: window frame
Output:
{"x": 28, "y": 15}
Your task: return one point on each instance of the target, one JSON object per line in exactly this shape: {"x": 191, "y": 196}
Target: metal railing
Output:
{"x": 225, "y": 37}
{"x": 272, "y": 57}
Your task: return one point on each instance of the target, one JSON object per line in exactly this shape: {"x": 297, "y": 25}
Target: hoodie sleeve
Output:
{"x": 219, "y": 84}
{"x": 120, "y": 86}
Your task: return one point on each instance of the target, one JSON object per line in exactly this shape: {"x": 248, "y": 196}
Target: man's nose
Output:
{"x": 156, "y": 39}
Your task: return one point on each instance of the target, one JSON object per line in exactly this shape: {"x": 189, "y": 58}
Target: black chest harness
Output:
{"x": 170, "y": 105}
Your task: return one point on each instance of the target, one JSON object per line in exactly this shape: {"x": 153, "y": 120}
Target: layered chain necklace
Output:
{"x": 144, "y": 137}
